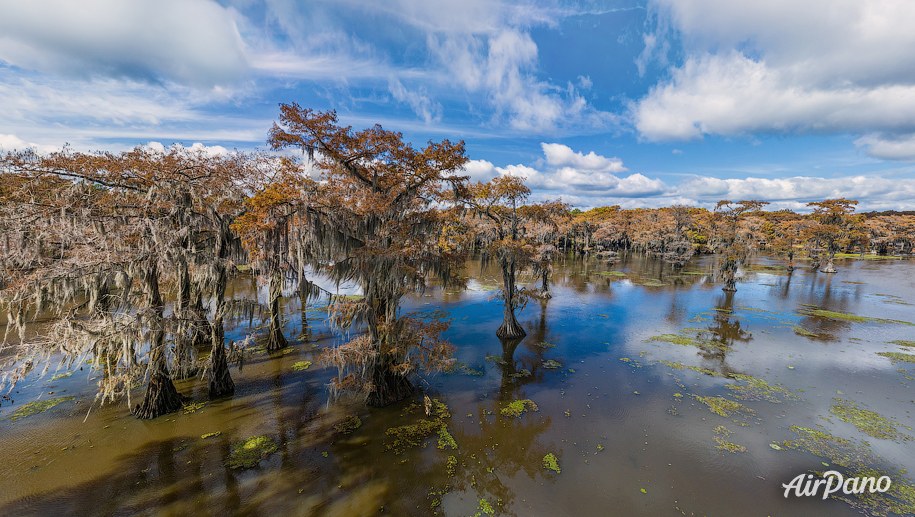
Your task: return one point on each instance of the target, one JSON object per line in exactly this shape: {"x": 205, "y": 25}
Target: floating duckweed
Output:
{"x": 801, "y": 331}
{"x": 722, "y": 406}
{"x": 445, "y": 440}
{"x": 600, "y": 447}
{"x": 844, "y": 316}
{"x": 484, "y": 509}
{"x": 550, "y": 462}
{"x": 839, "y": 451}
{"x": 551, "y": 364}
{"x": 249, "y": 453}
{"x": 38, "y": 406}
{"x": 408, "y": 436}
{"x": 301, "y": 365}
{"x": 517, "y": 408}
{"x": 903, "y": 342}
{"x": 521, "y": 374}
{"x": 898, "y": 500}
{"x": 754, "y": 388}
{"x": 681, "y": 366}
{"x": 451, "y": 465}
{"x": 898, "y": 357}
{"x": 210, "y": 435}
{"x": 625, "y": 359}
{"x": 868, "y": 422}
{"x": 676, "y": 339}
{"x": 857, "y": 457}
{"x": 193, "y": 407}
{"x": 348, "y": 425}
{"x": 60, "y": 376}
{"x": 544, "y": 345}
{"x": 731, "y": 447}
{"x": 612, "y": 273}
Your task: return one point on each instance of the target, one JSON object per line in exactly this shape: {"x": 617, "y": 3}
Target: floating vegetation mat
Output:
{"x": 404, "y": 437}
{"x": 868, "y": 422}
{"x": 249, "y": 453}
{"x": 516, "y": 408}
{"x": 898, "y": 357}
{"x": 551, "y": 462}
{"x": 812, "y": 310}
{"x": 724, "y": 407}
{"x": 722, "y": 434}
{"x": 39, "y": 406}
{"x": 301, "y": 366}
{"x": 857, "y": 460}
{"x": 348, "y": 425}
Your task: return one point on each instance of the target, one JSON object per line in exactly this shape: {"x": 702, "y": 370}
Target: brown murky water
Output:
{"x": 618, "y": 409}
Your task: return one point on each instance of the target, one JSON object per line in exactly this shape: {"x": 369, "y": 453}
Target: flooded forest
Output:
{"x": 345, "y": 324}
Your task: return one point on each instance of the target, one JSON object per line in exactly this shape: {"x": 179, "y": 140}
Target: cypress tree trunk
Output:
{"x": 730, "y": 280}
{"x": 388, "y": 386}
{"x": 545, "y": 284}
{"x": 275, "y": 338}
{"x": 220, "y": 380}
{"x": 510, "y": 327}
{"x": 184, "y": 338}
{"x": 161, "y": 396}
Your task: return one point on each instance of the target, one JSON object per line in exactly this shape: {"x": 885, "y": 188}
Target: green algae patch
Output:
{"x": 868, "y": 422}
{"x": 551, "y": 364}
{"x": 839, "y": 451}
{"x": 724, "y": 407}
{"x": 59, "y": 376}
{"x": 857, "y": 458}
{"x": 516, "y": 408}
{"x": 676, "y": 339}
{"x": 801, "y": 331}
{"x": 903, "y": 343}
{"x": 754, "y": 388}
{"x": 617, "y": 274}
{"x": 866, "y": 256}
{"x": 404, "y": 437}
{"x": 207, "y": 436}
{"x": 898, "y": 357}
{"x": 721, "y": 439}
{"x": 810, "y": 310}
{"x": 193, "y": 407}
{"x": 445, "y": 440}
{"x": 451, "y": 465}
{"x": 348, "y": 425}
{"x": 898, "y": 500}
{"x": 551, "y": 462}
{"x": 39, "y": 406}
{"x": 484, "y": 508}
{"x": 698, "y": 369}
{"x": 249, "y": 453}
{"x": 301, "y": 366}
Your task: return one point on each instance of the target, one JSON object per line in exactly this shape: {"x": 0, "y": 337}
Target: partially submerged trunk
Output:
{"x": 388, "y": 386}
{"x": 510, "y": 327}
{"x": 830, "y": 267}
{"x": 161, "y": 396}
{"x": 545, "y": 284}
{"x": 220, "y": 381}
{"x": 730, "y": 276}
{"x": 275, "y": 338}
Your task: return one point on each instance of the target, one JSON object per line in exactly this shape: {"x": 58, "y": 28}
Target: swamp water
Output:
{"x": 650, "y": 392}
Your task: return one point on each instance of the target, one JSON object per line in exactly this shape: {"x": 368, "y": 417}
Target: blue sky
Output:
{"x": 630, "y": 102}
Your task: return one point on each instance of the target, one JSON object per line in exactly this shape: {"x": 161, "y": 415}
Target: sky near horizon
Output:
{"x": 640, "y": 103}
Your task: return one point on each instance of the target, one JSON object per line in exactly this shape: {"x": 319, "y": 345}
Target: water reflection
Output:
{"x": 600, "y": 313}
